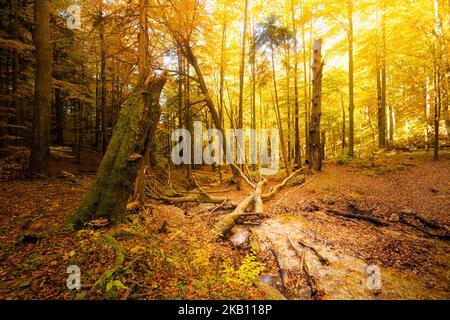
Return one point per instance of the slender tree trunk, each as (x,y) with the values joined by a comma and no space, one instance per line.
(192,59)
(446,104)
(101,29)
(316,111)
(180,91)
(253,69)
(59,108)
(305,84)
(344,121)
(97,109)
(351,106)
(297,149)
(222,70)
(242,69)
(381,114)
(437,107)
(288,100)
(42,108)
(384,82)
(277,109)
(188,117)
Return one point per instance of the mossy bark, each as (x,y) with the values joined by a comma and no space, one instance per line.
(119,168)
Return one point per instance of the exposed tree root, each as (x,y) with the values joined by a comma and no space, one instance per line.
(119,259)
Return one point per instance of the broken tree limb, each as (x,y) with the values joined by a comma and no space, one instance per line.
(311,281)
(283,272)
(274,190)
(246,179)
(316,251)
(303,266)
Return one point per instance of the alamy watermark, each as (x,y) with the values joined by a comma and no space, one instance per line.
(262,146)
(374,277)
(73,281)
(74,17)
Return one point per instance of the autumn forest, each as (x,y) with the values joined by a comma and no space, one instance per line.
(224,149)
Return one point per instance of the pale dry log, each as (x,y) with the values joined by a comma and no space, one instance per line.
(274,190)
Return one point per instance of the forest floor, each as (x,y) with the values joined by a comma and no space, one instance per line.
(171,253)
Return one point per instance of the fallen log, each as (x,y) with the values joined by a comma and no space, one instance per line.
(423,220)
(224,226)
(198,198)
(429,234)
(356,216)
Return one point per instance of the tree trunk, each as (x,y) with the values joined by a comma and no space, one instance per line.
(242,69)
(305,84)
(297,150)
(253,69)
(288,100)
(101,29)
(437,108)
(42,107)
(344,120)
(381,89)
(192,59)
(143,64)
(316,111)
(188,118)
(59,108)
(277,110)
(445,108)
(351,106)
(119,168)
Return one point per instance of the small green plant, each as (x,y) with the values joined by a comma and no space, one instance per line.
(247,273)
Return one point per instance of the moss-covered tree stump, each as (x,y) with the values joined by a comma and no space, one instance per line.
(107,198)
